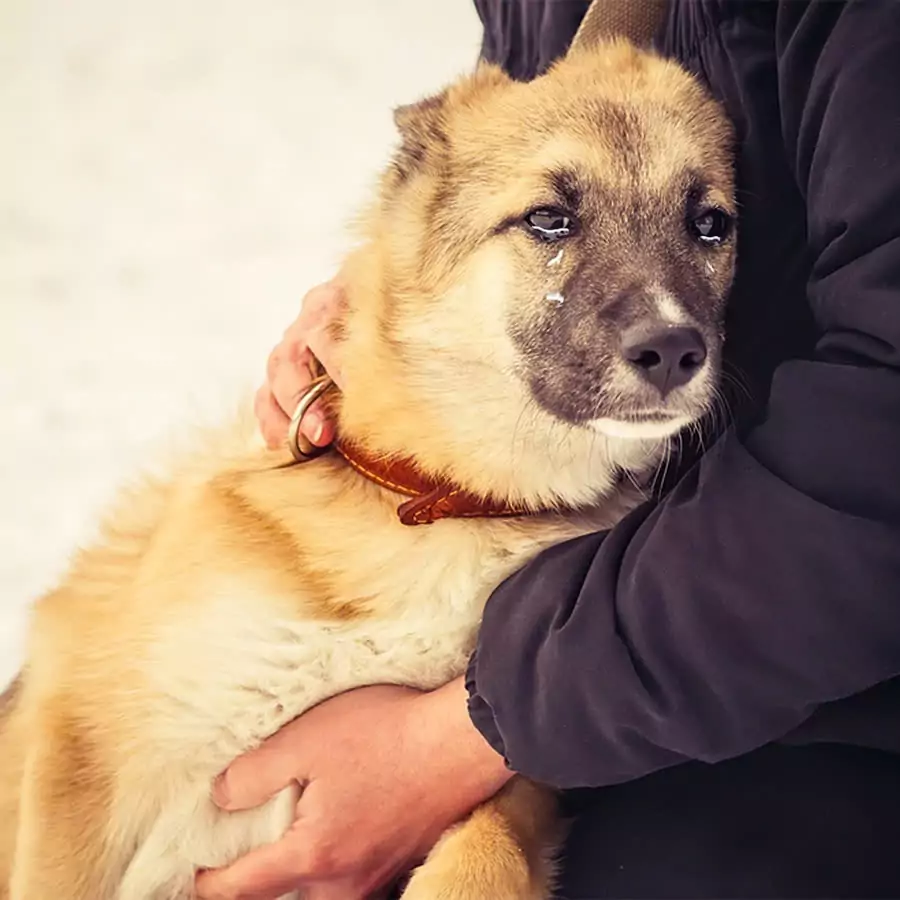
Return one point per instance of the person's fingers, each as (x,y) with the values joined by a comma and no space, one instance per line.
(323,344)
(289,377)
(289,373)
(273,423)
(317,326)
(269,872)
(263,874)
(316,426)
(288,385)
(259,774)
(339,890)
(320,306)
(289,370)
(280,868)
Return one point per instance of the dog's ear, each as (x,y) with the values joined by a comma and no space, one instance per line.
(416,120)
(421,125)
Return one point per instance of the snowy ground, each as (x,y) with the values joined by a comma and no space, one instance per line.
(173,176)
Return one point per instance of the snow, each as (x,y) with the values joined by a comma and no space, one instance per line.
(173,177)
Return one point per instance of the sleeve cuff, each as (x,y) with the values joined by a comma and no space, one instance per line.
(480,711)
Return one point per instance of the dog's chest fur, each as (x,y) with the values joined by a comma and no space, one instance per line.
(371,601)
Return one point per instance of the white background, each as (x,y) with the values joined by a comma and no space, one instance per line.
(174,174)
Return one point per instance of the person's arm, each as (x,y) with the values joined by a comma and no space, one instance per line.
(768,583)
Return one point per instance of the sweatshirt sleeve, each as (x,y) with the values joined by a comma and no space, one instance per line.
(525,36)
(767,583)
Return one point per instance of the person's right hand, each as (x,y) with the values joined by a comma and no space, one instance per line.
(288,372)
(385,771)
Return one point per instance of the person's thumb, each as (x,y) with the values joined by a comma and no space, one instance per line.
(258,775)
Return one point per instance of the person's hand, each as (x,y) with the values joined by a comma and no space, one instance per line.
(288,373)
(386,770)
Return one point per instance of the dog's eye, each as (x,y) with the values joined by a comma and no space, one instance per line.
(711,227)
(550,224)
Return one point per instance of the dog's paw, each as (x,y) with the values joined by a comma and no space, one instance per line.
(470,883)
(456,870)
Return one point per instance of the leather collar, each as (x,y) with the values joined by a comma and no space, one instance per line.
(430,499)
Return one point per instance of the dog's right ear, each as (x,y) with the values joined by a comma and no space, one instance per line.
(421,125)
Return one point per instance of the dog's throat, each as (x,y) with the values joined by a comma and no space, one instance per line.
(430,499)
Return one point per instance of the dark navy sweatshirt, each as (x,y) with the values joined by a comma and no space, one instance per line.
(758,599)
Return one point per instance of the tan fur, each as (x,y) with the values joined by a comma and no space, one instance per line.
(224,600)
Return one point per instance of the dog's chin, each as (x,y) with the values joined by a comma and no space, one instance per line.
(651,428)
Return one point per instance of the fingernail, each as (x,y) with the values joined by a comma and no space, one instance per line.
(220,793)
(315,428)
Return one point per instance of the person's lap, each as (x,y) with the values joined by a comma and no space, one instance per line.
(816,821)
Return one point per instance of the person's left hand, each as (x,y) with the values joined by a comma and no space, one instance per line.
(386,770)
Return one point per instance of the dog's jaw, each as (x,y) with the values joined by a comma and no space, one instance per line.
(543,463)
(643,431)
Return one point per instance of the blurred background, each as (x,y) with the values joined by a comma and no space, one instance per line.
(173,177)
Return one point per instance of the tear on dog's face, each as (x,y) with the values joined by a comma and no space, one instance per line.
(561,248)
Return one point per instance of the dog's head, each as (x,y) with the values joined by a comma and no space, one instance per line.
(546,270)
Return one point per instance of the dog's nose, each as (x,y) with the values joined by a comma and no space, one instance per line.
(667,357)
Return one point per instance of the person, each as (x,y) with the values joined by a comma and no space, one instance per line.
(715,681)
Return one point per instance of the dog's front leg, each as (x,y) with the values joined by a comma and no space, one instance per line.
(503,851)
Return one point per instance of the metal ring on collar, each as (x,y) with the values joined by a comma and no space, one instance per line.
(301,449)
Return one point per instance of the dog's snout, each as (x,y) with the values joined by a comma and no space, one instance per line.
(666,356)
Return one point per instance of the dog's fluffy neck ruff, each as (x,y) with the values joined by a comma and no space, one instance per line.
(400,403)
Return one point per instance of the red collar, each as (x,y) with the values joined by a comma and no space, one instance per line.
(430,499)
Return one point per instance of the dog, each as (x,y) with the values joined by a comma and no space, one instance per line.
(535,308)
